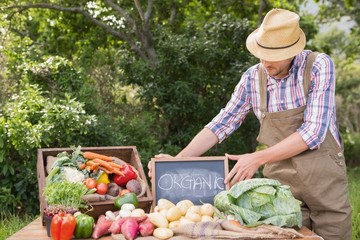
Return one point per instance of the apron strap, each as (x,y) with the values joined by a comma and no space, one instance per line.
(263,89)
(263,81)
(307,75)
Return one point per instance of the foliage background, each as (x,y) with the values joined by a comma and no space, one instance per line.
(143,73)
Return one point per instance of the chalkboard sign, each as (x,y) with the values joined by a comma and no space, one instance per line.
(197,179)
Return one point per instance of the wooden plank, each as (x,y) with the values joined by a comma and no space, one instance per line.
(35,230)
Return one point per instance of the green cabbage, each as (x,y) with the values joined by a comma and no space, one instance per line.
(260,201)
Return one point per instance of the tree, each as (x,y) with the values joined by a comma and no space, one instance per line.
(108,15)
(345,50)
(334,10)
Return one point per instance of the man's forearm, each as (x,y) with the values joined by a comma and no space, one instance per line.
(287,148)
(201,143)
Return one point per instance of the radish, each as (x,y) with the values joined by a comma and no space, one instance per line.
(146,228)
(130,228)
(115,227)
(102,227)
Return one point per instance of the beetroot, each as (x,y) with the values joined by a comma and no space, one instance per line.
(130,228)
(101,227)
(146,228)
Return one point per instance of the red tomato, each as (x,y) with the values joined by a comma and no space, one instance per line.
(90,183)
(102,188)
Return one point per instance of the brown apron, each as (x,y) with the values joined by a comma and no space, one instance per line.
(316,177)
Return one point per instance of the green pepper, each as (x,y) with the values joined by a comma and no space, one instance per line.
(84,226)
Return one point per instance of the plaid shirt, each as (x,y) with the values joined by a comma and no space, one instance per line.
(285,94)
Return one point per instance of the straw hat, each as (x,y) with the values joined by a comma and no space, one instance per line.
(279,37)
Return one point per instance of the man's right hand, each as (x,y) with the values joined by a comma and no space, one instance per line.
(159,156)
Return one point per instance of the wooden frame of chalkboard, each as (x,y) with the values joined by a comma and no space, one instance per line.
(197,179)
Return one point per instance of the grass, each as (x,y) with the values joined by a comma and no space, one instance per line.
(354,189)
(10,224)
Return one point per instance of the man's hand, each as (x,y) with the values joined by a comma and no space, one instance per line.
(159,156)
(248,164)
(245,168)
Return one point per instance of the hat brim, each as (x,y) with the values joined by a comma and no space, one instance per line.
(274,55)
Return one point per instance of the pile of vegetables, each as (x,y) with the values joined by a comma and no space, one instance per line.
(78,178)
(168,216)
(129,222)
(260,201)
(65,226)
(105,177)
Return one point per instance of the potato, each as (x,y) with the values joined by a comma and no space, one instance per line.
(173,214)
(156,209)
(128,206)
(174,224)
(183,221)
(164,204)
(158,220)
(206,218)
(163,233)
(163,212)
(207,210)
(184,205)
(195,209)
(138,212)
(124,213)
(193,216)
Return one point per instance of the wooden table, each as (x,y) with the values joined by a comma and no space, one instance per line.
(35,230)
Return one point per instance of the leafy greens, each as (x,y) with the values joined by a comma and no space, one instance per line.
(260,201)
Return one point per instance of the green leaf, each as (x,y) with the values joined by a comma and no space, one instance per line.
(244,186)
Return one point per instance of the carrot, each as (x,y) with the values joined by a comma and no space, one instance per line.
(116,165)
(92,155)
(111,171)
(91,168)
(105,170)
(92,165)
(235,222)
(102,163)
(107,166)
(118,172)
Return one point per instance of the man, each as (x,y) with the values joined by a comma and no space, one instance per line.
(298,124)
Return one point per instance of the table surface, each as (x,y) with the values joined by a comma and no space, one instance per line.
(35,230)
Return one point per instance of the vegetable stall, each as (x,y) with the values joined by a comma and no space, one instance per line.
(102,193)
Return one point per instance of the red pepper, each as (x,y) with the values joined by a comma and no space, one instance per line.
(62,226)
(129,174)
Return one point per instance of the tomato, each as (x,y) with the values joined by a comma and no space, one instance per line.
(90,183)
(102,188)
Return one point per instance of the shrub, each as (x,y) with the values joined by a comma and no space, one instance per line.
(30,121)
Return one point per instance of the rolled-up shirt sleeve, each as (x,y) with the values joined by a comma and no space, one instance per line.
(321,103)
(231,117)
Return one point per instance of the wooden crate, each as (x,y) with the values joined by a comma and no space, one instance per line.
(126,153)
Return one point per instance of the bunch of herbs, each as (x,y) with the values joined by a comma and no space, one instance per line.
(67,194)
